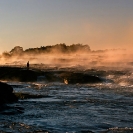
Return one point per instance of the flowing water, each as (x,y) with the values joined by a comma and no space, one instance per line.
(73,108)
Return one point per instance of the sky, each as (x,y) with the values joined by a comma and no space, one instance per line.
(102,24)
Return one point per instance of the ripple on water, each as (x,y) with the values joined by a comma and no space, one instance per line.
(71,108)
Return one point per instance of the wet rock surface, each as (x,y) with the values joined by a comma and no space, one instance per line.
(28,96)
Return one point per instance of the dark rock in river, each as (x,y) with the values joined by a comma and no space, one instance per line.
(72,77)
(82,78)
(6,94)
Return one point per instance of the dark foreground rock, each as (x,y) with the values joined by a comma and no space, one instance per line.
(6,94)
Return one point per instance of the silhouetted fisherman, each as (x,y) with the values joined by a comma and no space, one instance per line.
(28,65)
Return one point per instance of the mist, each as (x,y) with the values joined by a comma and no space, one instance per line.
(62,56)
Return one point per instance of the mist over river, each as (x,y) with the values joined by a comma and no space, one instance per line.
(105,107)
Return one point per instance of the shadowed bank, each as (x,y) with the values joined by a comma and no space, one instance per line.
(24,75)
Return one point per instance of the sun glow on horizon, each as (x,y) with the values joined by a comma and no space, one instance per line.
(101,25)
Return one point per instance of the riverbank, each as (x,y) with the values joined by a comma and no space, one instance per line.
(12,73)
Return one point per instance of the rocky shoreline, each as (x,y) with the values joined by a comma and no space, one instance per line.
(53,75)
(32,75)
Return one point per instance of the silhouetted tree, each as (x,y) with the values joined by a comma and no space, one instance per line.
(16,50)
(6,54)
(58,48)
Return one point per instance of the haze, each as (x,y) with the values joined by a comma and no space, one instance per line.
(73,56)
(102,24)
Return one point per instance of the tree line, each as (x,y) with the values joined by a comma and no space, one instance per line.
(58,48)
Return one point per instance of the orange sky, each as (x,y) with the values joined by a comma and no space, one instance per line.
(100,24)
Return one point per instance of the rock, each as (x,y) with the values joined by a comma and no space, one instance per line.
(32,75)
(73,78)
(19,74)
(27,75)
(21,95)
(6,94)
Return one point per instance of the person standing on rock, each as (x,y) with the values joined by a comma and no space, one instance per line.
(28,65)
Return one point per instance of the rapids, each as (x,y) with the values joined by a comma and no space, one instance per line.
(73,108)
